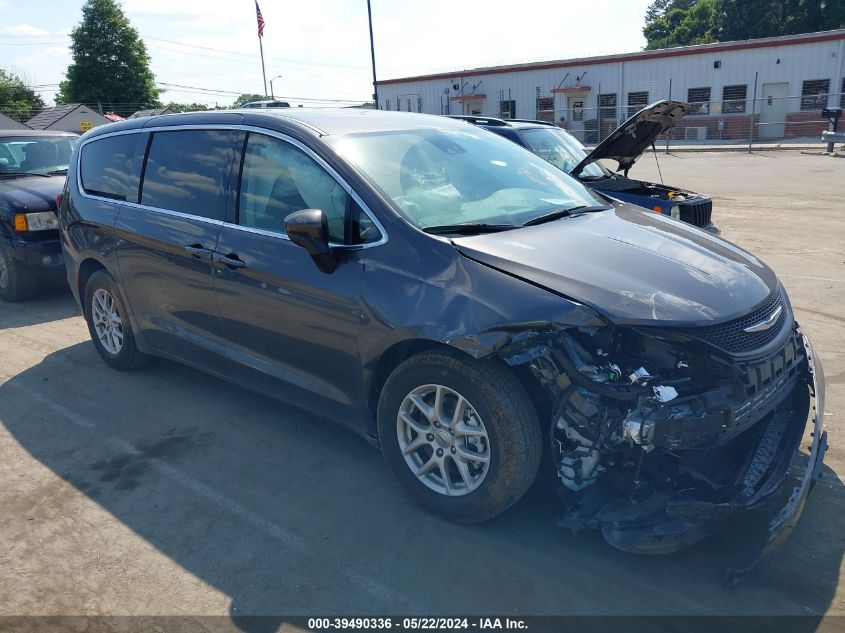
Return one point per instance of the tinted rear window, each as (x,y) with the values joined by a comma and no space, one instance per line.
(106,166)
(188,171)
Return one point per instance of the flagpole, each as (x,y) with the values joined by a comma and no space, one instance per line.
(373,56)
(263,74)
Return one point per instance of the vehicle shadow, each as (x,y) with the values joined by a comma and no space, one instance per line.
(52,303)
(289,514)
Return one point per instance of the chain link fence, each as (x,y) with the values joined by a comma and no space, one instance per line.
(771,118)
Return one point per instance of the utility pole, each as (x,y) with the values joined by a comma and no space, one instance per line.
(373,56)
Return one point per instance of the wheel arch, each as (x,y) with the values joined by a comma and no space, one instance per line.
(87,268)
(400,351)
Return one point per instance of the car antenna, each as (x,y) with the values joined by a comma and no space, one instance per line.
(659,173)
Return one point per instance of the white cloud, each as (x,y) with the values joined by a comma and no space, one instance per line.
(22,29)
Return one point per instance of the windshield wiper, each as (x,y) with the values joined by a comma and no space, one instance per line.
(57,172)
(564,213)
(23,173)
(468,228)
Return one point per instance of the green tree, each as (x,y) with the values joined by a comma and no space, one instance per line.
(243,99)
(17,100)
(748,19)
(683,22)
(110,65)
(679,23)
(186,107)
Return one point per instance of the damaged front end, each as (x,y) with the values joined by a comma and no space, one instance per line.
(658,435)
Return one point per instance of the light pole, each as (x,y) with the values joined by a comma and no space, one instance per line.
(373,56)
(272,96)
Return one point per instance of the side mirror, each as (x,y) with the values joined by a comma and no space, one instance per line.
(309,229)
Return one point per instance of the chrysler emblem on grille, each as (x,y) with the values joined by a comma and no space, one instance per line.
(766,323)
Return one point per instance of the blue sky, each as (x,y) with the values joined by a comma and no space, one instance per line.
(320,47)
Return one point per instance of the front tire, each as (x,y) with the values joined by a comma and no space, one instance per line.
(460,435)
(16,282)
(108,323)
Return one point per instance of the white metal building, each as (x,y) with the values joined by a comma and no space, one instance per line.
(766,88)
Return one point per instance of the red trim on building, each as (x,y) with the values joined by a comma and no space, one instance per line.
(572,89)
(467,97)
(702,49)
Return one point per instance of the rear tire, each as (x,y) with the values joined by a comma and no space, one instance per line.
(108,323)
(16,282)
(468,428)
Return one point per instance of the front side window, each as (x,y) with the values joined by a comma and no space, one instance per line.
(460,175)
(278,178)
(35,154)
(188,171)
(560,149)
(106,166)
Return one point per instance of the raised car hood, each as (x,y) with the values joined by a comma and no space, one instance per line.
(627,142)
(632,266)
(28,194)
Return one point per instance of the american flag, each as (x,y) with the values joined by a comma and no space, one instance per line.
(260,20)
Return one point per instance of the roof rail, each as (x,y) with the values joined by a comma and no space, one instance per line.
(533,121)
(484,120)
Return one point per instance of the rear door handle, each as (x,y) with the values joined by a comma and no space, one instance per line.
(199,251)
(231,260)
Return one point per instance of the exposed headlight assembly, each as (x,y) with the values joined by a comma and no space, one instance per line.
(44,221)
(675,212)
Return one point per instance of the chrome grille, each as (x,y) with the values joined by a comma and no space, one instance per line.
(731,337)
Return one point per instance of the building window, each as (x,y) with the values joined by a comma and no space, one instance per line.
(545,109)
(699,99)
(814,94)
(507,109)
(636,102)
(733,99)
(607,106)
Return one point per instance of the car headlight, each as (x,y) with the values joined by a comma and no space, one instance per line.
(44,221)
(675,212)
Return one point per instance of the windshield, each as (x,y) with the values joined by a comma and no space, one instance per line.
(35,154)
(560,149)
(441,177)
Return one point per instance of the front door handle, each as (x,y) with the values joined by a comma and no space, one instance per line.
(199,251)
(231,260)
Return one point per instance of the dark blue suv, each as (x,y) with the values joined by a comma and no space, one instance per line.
(625,145)
(33,168)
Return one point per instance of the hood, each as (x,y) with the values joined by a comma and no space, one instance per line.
(29,194)
(627,142)
(632,266)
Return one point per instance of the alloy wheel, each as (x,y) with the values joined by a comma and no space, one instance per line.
(107,321)
(443,440)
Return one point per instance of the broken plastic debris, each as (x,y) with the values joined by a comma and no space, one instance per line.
(664,393)
(639,374)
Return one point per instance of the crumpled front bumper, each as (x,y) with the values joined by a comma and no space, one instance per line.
(665,524)
(785,521)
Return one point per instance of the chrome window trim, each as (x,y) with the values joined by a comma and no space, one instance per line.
(233,127)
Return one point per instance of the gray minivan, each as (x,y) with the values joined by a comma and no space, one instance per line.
(459,301)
